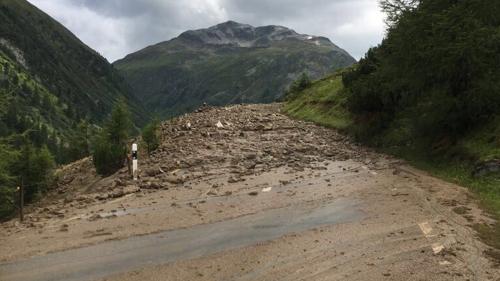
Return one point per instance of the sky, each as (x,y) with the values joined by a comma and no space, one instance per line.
(116,28)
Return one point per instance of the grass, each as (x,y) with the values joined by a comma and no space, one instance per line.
(324,103)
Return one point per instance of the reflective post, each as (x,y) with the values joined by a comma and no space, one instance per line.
(134,161)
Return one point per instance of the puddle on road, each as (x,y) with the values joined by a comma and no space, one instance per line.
(107,258)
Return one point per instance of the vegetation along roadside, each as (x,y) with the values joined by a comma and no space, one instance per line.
(429,93)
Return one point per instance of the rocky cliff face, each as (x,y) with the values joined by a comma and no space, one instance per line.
(225,64)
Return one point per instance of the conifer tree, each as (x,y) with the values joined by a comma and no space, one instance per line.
(151,136)
(110,145)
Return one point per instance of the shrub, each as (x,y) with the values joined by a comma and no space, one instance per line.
(302,83)
(108,157)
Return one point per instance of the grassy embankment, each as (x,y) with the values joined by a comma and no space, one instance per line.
(325,103)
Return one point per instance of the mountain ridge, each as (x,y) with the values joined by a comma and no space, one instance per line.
(234,33)
(225,64)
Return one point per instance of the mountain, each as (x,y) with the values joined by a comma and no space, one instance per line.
(227,63)
(50,80)
(81,79)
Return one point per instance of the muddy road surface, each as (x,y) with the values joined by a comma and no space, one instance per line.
(246,193)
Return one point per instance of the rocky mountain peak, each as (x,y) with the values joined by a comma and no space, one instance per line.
(245,35)
(231,25)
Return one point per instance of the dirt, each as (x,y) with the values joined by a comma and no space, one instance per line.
(224,163)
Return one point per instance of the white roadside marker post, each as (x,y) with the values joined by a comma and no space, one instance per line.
(134,161)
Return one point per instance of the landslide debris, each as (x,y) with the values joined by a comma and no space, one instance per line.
(234,141)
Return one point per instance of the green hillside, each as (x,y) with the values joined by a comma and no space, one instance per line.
(76,74)
(54,94)
(324,102)
(226,64)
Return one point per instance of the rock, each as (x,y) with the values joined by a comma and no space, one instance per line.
(119,182)
(81,198)
(253,193)
(117,193)
(67,179)
(102,197)
(219,125)
(250,166)
(174,179)
(251,156)
(57,213)
(85,199)
(234,179)
(154,185)
(64,228)
(486,167)
(131,189)
(152,172)
(95,217)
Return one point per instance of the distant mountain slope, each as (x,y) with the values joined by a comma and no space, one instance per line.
(227,63)
(84,82)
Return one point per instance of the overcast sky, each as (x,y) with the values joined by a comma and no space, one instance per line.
(116,28)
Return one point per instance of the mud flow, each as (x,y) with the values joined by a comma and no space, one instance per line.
(246,193)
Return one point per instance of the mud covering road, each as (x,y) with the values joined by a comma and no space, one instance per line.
(245,193)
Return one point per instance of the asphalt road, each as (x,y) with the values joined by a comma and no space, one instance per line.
(91,263)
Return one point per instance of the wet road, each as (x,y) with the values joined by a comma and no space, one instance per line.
(113,257)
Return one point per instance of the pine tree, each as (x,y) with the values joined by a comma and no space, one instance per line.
(151,135)
(33,169)
(7,181)
(110,145)
(79,142)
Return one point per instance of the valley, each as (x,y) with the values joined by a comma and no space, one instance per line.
(265,152)
(261,197)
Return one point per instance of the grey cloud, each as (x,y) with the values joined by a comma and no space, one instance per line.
(118,27)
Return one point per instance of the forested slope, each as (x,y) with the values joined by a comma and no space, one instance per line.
(54,93)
